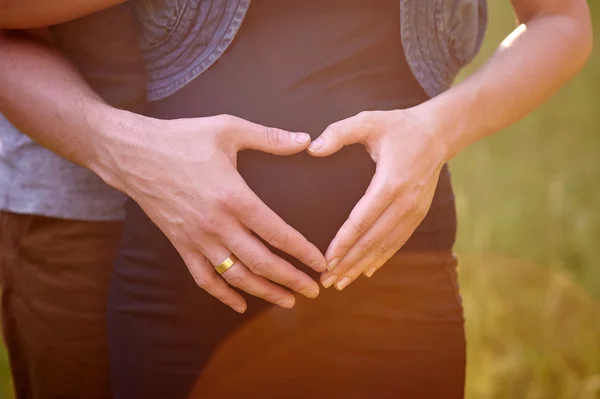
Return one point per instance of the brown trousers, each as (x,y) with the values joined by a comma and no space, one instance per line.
(54,275)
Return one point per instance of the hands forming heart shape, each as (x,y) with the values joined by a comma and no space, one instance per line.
(209,213)
(409,157)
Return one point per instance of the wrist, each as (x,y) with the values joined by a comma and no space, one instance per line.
(448,119)
(118,133)
(460,117)
(434,130)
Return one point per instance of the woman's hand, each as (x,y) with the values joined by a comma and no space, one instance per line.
(410,146)
(409,154)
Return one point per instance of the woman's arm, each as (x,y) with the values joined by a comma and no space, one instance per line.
(410,146)
(553,42)
(30,14)
(182,172)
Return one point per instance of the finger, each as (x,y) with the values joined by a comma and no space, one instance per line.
(413,211)
(376,200)
(262,220)
(372,269)
(355,129)
(373,241)
(337,275)
(205,276)
(240,277)
(248,135)
(375,259)
(370,266)
(261,261)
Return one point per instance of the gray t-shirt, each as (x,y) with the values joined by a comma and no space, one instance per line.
(34,180)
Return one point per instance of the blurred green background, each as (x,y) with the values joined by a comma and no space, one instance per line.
(529,243)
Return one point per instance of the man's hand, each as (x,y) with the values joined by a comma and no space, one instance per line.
(183,174)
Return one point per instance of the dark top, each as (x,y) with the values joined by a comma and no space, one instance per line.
(300,66)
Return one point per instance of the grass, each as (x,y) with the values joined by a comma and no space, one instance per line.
(529,239)
(533,332)
(5,387)
(529,242)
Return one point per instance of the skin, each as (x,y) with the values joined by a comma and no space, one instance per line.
(410,146)
(174,169)
(31,14)
(181,172)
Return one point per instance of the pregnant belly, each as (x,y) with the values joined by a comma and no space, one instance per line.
(293,86)
(314,195)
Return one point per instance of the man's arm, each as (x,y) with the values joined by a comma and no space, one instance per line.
(52,101)
(181,172)
(30,14)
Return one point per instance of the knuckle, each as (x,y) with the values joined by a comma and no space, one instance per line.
(368,245)
(335,129)
(229,200)
(275,296)
(209,223)
(417,206)
(365,122)
(364,117)
(260,267)
(203,281)
(363,114)
(342,268)
(384,249)
(393,188)
(343,247)
(353,273)
(421,210)
(274,136)
(222,123)
(294,284)
(358,226)
(224,119)
(278,239)
(412,202)
(235,279)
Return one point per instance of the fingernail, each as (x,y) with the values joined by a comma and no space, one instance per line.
(316,145)
(371,271)
(310,292)
(343,283)
(333,264)
(286,303)
(300,138)
(239,308)
(318,266)
(329,281)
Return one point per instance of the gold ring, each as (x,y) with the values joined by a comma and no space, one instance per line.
(226,264)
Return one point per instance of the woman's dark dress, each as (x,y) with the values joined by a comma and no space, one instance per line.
(297,65)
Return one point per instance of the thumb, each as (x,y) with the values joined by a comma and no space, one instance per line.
(339,134)
(270,139)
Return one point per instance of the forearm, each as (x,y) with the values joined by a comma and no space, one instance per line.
(28,14)
(44,95)
(529,66)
